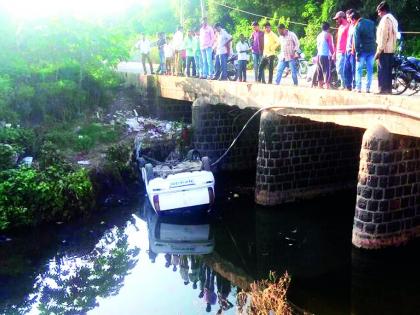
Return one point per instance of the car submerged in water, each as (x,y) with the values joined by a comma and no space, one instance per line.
(177,185)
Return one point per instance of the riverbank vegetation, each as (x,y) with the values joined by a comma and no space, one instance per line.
(57,76)
(268,296)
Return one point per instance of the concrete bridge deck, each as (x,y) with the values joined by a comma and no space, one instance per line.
(398,114)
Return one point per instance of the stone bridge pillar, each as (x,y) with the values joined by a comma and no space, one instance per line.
(216,126)
(299,158)
(388,190)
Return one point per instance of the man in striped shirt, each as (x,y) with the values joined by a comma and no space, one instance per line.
(288,53)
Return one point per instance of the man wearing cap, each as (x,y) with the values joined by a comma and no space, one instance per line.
(257,45)
(386,38)
(271,43)
(340,48)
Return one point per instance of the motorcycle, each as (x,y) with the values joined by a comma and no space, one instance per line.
(302,67)
(232,67)
(405,74)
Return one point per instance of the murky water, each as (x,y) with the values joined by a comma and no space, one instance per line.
(128,261)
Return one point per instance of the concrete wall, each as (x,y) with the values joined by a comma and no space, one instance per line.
(216,126)
(299,158)
(388,190)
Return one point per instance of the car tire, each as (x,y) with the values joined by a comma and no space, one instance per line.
(141,162)
(149,172)
(193,155)
(206,164)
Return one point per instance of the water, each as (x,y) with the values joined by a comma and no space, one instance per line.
(110,265)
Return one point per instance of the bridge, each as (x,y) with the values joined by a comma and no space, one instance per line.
(308,142)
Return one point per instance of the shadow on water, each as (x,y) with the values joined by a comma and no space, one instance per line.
(128,260)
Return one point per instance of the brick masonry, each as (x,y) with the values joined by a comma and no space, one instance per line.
(168,109)
(388,190)
(216,126)
(299,158)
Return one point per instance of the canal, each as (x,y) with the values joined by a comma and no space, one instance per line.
(107,265)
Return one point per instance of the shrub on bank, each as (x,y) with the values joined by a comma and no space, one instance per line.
(29,196)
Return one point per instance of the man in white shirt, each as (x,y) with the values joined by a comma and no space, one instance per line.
(242,49)
(222,52)
(178,46)
(143,45)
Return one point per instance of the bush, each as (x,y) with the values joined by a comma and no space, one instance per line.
(29,196)
(8,156)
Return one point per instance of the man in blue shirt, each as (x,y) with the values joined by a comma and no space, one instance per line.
(365,48)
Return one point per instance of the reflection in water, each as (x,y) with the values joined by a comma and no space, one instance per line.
(127,261)
(183,240)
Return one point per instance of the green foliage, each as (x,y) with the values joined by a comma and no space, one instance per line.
(57,69)
(29,196)
(84,138)
(8,156)
(20,138)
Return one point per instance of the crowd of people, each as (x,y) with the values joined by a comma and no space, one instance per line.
(212,287)
(203,53)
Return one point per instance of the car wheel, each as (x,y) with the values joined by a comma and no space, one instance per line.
(141,162)
(193,155)
(206,164)
(149,172)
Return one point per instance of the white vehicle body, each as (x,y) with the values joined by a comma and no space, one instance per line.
(171,237)
(180,190)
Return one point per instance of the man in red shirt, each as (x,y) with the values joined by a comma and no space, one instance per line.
(340,47)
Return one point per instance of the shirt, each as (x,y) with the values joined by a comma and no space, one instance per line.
(143,46)
(350,35)
(196,45)
(223,39)
(257,39)
(178,40)
(289,45)
(206,37)
(271,42)
(189,46)
(364,37)
(342,34)
(324,44)
(386,34)
(242,46)
(168,51)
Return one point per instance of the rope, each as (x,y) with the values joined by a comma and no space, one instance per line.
(271,18)
(337,108)
(254,14)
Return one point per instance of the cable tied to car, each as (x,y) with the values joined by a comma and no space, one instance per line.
(333,108)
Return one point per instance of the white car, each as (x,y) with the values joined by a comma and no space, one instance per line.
(179,235)
(186,185)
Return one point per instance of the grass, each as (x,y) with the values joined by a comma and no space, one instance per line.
(266,297)
(83,138)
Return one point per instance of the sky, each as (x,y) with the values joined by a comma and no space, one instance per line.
(29,9)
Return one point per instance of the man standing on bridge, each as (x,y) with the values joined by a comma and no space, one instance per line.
(206,45)
(364,47)
(222,51)
(257,45)
(271,42)
(178,45)
(288,53)
(143,45)
(340,48)
(386,38)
